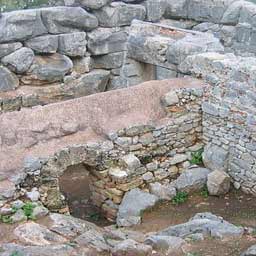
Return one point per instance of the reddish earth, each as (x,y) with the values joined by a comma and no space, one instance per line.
(237,208)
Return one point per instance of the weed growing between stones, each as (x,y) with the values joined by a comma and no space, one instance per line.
(180,198)
(204,192)
(197,157)
(16,253)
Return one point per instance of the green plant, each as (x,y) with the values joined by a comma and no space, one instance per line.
(197,157)
(16,253)
(180,198)
(204,192)
(6,219)
(28,210)
(193,254)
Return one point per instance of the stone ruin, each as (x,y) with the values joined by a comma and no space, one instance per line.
(76,91)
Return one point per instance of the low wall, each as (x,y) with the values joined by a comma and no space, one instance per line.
(126,138)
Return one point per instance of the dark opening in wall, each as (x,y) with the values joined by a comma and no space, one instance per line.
(76,184)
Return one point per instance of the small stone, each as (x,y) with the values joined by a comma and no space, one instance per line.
(20,60)
(18,216)
(170,99)
(218,183)
(117,174)
(148,177)
(162,191)
(167,244)
(39,212)
(130,247)
(131,162)
(18,204)
(34,195)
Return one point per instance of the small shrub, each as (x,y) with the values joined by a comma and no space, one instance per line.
(16,253)
(6,219)
(204,192)
(180,198)
(197,157)
(28,210)
(193,254)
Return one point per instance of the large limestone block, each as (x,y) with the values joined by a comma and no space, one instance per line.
(251,251)
(191,180)
(20,60)
(218,183)
(6,49)
(120,14)
(8,80)
(106,40)
(155,9)
(21,25)
(215,157)
(130,247)
(69,226)
(90,83)
(134,203)
(109,61)
(34,234)
(43,44)
(73,44)
(176,9)
(207,10)
(60,20)
(91,4)
(48,69)
(205,223)
(192,44)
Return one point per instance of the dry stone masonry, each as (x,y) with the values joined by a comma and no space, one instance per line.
(136,140)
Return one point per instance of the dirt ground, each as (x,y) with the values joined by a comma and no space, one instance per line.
(237,208)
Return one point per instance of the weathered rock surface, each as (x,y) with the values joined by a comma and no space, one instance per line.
(92,4)
(34,234)
(191,180)
(106,40)
(90,83)
(69,226)
(109,61)
(218,183)
(215,158)
(8,80)
(205,223)
(134,203)
(20,60)
(48,69)
(167,244)
(73,44)
(6,49)
(120,14)
(250,251)
(45,250)
(43,44)
(93,239)
(21,25)
(130,247)
(164,192)
(60,20)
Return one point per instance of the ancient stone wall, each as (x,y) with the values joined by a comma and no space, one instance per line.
(59,53)
(128,138)
(229,111)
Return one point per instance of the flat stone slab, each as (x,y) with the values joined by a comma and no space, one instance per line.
(134,203)
(205,223)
